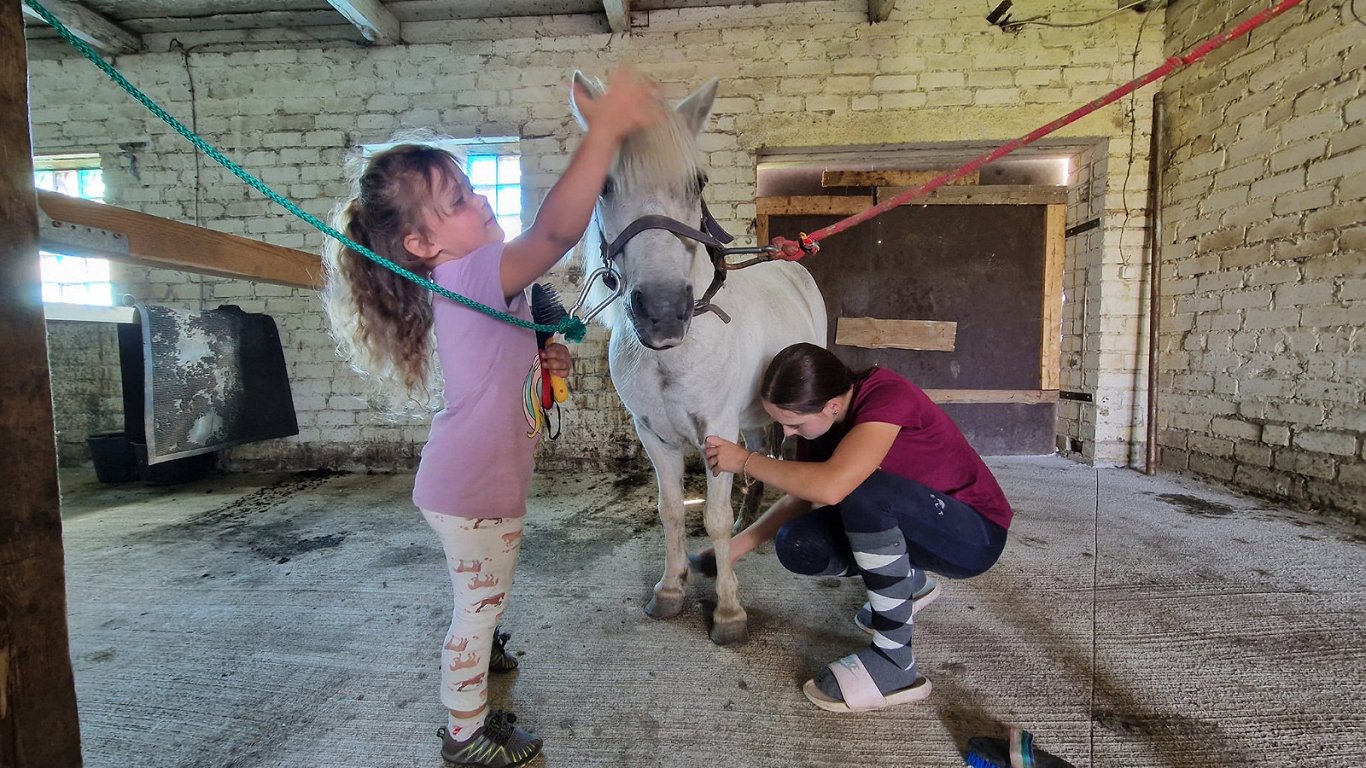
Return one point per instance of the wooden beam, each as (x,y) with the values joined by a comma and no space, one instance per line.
(1055,244)
(90,27)
(157,242)
(796,205)
(879,10)
(891,178)
(618,15)
(992,395)
(39,727)
(872,333)
(375,22)
(990,194)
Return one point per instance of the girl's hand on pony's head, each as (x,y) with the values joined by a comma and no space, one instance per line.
(631,102)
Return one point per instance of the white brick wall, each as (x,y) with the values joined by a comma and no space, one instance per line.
(812,75)
(1263,256)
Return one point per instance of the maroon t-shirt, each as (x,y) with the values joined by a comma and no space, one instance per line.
(929,449)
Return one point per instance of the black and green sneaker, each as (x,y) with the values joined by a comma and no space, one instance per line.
(499,658)
(498,744)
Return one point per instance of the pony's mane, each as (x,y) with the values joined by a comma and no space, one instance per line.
(663,156)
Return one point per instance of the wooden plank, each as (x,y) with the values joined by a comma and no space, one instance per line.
(1055,243)
(618,15)
(989,194)
(91,28)
(892,178)
(157,242)
(375,22)
(39,727)
(797,205)
(874,333)
(879,10)
(992,395)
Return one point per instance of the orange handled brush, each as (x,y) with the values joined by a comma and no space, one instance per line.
(547,309)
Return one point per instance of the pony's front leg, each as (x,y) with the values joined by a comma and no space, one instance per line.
(729,622)
(667,599)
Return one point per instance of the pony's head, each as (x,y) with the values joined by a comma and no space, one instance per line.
(658,172)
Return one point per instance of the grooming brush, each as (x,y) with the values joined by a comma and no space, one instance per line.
(1017,752)
(547,309)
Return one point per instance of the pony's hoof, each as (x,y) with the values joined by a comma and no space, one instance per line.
(664,606)
(725,633)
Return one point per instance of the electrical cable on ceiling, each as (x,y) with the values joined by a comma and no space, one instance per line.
(999,18)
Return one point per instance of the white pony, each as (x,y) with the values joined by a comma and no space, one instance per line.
(683,377)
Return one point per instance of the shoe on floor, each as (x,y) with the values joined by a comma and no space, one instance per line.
(927,594)
(498,744)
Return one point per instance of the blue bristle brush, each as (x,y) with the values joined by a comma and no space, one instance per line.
(1017,752)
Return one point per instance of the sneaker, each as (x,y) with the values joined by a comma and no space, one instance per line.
(499,744)
(927,594)
(499,658)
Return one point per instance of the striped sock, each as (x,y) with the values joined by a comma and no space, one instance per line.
(891,583)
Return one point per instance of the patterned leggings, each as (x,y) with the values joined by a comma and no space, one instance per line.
(480,556)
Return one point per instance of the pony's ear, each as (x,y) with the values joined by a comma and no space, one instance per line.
(582,85)
(696,108)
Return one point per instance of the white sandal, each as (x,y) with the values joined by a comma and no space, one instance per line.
(860,692)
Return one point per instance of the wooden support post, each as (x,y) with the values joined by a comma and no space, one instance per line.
(1055,244)
(38,723)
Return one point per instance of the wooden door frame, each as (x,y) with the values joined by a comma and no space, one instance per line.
(1054,200)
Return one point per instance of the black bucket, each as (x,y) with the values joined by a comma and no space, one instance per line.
(112,454)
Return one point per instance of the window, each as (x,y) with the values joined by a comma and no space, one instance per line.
(494,167)
(73,279)
(499,178)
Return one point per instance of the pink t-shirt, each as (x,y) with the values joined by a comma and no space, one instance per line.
(929,449)
(478,458)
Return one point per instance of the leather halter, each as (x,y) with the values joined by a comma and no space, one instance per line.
(711,235)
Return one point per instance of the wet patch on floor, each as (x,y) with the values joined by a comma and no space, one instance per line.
(1196,506)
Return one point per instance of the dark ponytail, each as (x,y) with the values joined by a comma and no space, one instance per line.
(804,377)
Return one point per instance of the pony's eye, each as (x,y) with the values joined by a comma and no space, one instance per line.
(701,180)
(608,187)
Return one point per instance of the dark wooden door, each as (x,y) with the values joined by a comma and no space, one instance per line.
(982,268)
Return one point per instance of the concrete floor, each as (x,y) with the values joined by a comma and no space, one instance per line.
(294,620)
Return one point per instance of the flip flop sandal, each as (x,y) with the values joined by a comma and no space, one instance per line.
(1018,752)
(928,594)
(859,690)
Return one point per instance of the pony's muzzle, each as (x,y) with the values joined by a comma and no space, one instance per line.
(661,314)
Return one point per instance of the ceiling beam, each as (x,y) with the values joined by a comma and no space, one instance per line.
(879,10)
(90,27)
(374,21)
(618,15)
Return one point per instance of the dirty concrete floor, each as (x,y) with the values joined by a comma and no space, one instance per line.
(294,620)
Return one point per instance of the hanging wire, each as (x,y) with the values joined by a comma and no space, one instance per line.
(1011,25)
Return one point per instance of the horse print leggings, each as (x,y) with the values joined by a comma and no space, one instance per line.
(943,535)
(480,556)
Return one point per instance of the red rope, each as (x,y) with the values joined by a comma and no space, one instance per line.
(787,249)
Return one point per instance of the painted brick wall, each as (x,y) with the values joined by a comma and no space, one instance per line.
(813,75)
(1264,266)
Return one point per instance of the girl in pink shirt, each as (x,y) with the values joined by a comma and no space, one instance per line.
(414,205)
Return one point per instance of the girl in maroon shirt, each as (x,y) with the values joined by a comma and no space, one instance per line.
(884,486)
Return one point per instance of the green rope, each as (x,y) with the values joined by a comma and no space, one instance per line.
(570,327)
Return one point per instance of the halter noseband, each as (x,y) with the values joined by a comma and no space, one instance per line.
(712,235)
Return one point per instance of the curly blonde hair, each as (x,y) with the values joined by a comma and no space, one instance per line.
(382,322)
